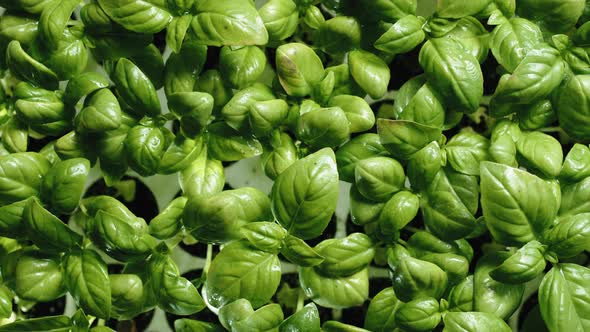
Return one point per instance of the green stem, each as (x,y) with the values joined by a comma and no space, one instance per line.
(300,300)
(208,259)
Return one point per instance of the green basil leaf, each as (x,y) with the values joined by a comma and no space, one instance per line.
(239,271)
(102,113)
(466,150)
(64,183)
(16,26)
(82,85)
(298,252)
(345,257)
(338,35)
(145,147)
(357,110)
(461,296)
(393,10)
(370,72)
(176,31)
(358,148)
(304,196)
(403,36)
(6,302)
(404,138)
(47,231)
(342,292)
(424,165)
(135,88)
(299,69)
(235,112)
(453,73)
(378,178)
(71,145)
(38,278)
(151,63)
(242,67)
(266,236)
(282,155)
(423,243)
(554,16)
(127,295)
(576,165)
(195,104)
(174,293)
(142,16)
(444,210)
(541,152)
(562,297)
(413,277)
(418,315)
(280,18)
(25,68)
(399,211)
(572,108)
(219,218)
(323,127)
(306,319)
(15,135)
(45,324)
(21,176)
(235,23)
(540,114)
(87,279)
(11,216)
(266,318)
(227,144)
(181,153)
(203,177)
(537,75)
(119,239)
(190,325)
(473,321)
(517,205)
(512,40)
(458,9)
(381,313)
(570,236)
(472,35)
(168,222)
(235,311)
(182,69)
(53,22)
(524,265)
(264,116)
(492,296)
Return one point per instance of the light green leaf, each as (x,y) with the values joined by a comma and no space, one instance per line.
(228,23)
(512,40)
(343,292)
(220,217)
(87,279)
(517,205)
(143,16)
(299,69)
(47,231)
(455,74)
(240,271)
(563,298)
(39,278)
(304,196)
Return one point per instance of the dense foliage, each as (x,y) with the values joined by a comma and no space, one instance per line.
(463,135)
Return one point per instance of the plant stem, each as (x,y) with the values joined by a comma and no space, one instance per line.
(209,258)
(300,300)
